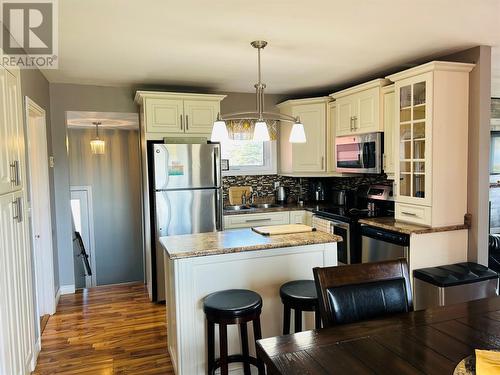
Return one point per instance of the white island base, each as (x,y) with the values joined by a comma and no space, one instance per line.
(190,279)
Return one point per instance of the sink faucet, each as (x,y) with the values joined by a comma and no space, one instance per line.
(252,197)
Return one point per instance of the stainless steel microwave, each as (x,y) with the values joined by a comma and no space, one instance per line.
(359,153)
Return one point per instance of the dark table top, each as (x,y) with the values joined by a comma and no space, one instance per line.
(430,341)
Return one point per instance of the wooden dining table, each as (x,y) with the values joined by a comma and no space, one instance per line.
(429,341)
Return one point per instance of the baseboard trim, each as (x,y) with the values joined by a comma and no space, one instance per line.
(34,357)
(67,289)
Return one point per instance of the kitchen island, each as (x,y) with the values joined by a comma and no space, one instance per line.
(199,264)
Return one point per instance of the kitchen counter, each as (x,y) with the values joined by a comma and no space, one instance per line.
(286,207)
(237,240)
(390,223)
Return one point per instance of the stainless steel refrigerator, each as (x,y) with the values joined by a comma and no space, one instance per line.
(186,196)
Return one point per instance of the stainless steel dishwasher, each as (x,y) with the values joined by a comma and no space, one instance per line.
(379,244)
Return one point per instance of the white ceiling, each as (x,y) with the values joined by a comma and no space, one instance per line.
(107,120)
(314,44)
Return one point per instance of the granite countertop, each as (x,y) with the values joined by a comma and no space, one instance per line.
(237,240)
(390,223)
(285,207)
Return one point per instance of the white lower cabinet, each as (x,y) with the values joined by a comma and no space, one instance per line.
(267,218)
(301,217)
(254,220)
(16,309)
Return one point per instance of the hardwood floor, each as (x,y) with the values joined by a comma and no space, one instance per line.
(106,330)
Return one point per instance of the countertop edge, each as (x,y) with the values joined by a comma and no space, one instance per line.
(409,231)
(239,249)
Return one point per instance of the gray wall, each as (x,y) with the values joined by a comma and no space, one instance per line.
(115,179)
(70,97)
(479,148)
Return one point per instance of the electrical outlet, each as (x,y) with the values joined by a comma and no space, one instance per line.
(51,162)
(276,184)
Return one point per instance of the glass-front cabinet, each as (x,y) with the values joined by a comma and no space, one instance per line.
(413,137)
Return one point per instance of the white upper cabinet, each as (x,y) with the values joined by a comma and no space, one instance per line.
(11,133)
(178,114)
(310,158)
(200,115)
(431,134)
(164,116)
(359,108)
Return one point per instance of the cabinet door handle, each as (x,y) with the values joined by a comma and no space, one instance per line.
(408,213)
(187,122)
(17,209)
(322,162)
(355,121)
(255,220)
(182,125)
(14,173)
(352,118)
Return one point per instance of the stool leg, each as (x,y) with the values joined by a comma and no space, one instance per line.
(211,348)
(244,348)
(298,320)
(257,334)
(286,319)
(317,318)
(223,349)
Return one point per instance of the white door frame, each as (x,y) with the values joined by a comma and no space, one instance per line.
(88,190)
(44,261)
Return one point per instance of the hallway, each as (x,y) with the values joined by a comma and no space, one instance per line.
(104,331)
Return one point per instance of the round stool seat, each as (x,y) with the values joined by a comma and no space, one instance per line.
(232,303)
(299,291)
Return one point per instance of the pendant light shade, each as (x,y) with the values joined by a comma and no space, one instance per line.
(219,131)
(261,133)
(97,145)
(297,135)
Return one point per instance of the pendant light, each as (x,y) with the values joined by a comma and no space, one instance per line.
(97,145)
(219,131)
(260,116)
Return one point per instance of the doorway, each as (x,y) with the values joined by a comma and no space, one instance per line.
(39,194)
(83,219)
(106,196)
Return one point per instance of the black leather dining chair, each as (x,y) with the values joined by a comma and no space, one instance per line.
(357,292)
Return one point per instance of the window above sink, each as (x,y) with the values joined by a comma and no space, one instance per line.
(247,157)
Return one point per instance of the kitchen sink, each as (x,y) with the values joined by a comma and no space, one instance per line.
(236,208)
(265,205)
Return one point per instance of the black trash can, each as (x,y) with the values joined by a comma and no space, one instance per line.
(454,283)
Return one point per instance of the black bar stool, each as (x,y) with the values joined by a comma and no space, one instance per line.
(234,306)
(299,295)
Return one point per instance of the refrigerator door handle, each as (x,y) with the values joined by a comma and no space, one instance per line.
(217,169)
(219,218)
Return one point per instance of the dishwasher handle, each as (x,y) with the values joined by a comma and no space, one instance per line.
(400,239)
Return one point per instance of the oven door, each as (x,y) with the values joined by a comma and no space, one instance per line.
(340,229)
(359,154)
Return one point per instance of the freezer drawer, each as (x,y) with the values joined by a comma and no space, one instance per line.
(188,211)
(428,295)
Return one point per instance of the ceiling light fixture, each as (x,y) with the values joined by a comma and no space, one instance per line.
(97,145)
(260,116)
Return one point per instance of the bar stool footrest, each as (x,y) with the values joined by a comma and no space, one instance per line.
(235,358)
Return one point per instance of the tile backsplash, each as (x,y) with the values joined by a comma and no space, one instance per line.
(264,185)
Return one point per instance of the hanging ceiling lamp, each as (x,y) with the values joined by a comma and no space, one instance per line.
(97,145)
(260,117)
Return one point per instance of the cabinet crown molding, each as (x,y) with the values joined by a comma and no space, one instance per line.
(321,99)
(379,82)
(431,67)
(141,95)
